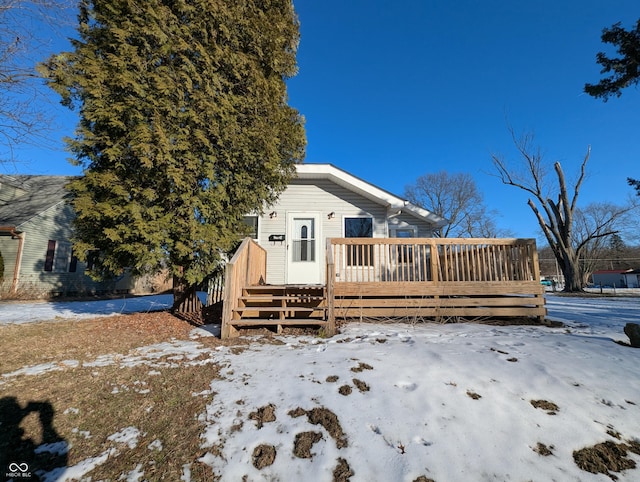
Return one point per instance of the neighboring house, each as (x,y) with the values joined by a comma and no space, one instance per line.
(615,278)
(632,278)
(35,240)
(323,202)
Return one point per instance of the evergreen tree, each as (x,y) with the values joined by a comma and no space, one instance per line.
(624,70)
(184,128)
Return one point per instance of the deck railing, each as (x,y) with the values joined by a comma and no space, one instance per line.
(439,278)
(247,267)
(433,260)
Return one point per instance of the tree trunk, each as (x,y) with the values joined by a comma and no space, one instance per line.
(185,298)
(573,279)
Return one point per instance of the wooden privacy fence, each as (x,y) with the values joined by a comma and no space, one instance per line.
(435,277)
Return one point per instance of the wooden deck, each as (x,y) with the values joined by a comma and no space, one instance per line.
(370,278)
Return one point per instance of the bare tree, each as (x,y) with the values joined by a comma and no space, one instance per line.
(23,117)
(456,198)
(596,226)
(570,232)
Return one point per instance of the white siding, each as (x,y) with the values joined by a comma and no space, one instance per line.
(425,230)
(323,197)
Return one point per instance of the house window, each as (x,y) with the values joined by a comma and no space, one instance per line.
(404,252)
(92,258)
(362,227)
(252,223)
(59,258)
(73,264)
(62,258)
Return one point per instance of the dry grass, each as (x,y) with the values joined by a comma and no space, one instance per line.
(35,343)
(83,406)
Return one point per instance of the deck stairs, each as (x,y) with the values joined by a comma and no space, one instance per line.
(281,305)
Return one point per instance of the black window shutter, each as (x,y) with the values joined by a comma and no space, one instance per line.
(51,251)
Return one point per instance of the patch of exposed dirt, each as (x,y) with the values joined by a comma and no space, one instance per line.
(550,407)
(517,321)
(422,478)
(361,367)
(263,456)
(360,385)
(304,442)
(543,450)
(342,472)
(264,415)
(499,351)
(332,378)
(345,390)
(325,417)
(606,457)
(473,395)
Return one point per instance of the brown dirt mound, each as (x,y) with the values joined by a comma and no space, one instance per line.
(325,417)
(604,458)
(303,444)
(263,415)
(543,450)
(361,367)
(342,472)
(360,385)
(263,456)
(550,407)
(344,390)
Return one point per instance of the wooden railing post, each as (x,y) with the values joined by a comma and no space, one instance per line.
(330,283)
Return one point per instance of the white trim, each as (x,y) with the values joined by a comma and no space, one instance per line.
(369,191)
(319,263)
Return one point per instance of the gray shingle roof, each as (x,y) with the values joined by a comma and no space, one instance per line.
(42,192)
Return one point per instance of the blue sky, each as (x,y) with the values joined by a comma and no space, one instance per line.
(393,89)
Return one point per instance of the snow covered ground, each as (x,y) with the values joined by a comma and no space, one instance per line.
(26,312)
(393,402)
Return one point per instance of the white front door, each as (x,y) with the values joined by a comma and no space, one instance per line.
(304,253)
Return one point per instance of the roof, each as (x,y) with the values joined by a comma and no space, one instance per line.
(368,190)
(612,271)
(35,194)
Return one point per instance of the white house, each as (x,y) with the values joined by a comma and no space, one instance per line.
(323,202)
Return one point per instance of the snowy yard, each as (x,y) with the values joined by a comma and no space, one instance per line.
(389,402)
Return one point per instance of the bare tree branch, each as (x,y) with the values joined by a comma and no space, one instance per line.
(23,97)
(568,230)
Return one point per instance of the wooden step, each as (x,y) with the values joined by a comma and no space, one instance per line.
(273,322)
(266,297)
(278,309)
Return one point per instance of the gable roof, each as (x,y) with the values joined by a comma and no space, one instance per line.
(392,202)
(33,196)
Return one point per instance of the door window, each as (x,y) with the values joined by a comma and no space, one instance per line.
(304,241)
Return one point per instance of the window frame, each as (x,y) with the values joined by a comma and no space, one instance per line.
(358,259)
(255,236)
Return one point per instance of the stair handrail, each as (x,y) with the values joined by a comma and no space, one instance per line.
(247,267)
